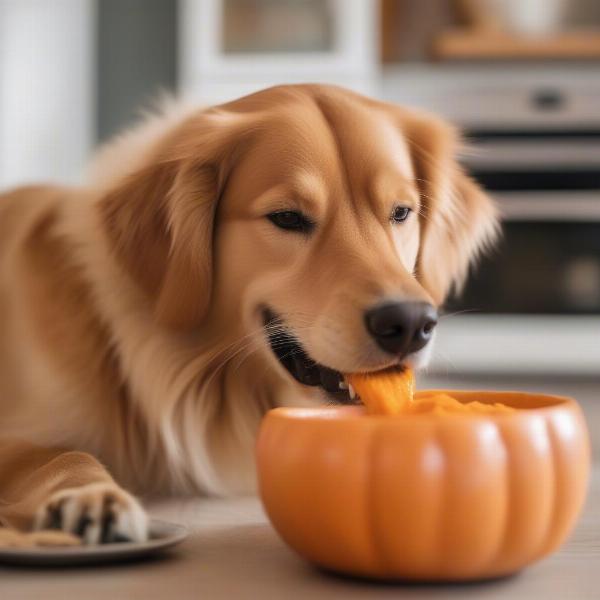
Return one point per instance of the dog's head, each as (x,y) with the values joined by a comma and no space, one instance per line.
(331,224)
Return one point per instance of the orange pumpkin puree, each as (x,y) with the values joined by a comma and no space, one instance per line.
(393,393)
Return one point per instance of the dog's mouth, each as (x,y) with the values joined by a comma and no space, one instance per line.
(294,358)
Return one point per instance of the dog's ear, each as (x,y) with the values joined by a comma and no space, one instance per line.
(458,220)
(159,221)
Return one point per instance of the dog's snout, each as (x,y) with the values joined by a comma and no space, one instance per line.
(401,327)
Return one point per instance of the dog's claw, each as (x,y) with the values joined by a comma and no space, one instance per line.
(54,517)
(82,525)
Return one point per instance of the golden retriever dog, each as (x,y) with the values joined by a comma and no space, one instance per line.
(222,262)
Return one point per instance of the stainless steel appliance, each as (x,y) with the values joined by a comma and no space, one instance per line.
(533,304)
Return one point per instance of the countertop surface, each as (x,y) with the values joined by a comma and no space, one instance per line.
(233,552)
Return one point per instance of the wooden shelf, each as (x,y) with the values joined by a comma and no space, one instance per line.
(478,44)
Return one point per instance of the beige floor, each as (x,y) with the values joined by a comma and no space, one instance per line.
(234,553)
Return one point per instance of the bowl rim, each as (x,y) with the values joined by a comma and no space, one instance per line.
(346,413)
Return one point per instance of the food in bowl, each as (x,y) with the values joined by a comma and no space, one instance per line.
(392,393)
(431,495)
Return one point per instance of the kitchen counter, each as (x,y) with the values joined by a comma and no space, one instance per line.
(233,552)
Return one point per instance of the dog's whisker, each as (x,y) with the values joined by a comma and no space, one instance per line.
(231,355)
(459,312)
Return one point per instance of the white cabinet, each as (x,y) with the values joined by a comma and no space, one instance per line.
(229,48)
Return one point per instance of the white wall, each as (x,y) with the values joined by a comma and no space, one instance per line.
(46,89)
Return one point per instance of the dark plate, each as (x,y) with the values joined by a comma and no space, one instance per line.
(163,535)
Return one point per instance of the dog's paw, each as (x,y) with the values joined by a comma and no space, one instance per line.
(98,513)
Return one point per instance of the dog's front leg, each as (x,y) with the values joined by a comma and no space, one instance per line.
(44,488)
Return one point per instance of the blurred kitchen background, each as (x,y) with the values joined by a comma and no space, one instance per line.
(521,77)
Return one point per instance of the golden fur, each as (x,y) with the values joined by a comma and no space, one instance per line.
(130,308)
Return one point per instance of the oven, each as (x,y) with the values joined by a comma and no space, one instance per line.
(547,185)
(532,305)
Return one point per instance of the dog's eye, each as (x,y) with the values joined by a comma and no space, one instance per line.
(400,214)
(291,220)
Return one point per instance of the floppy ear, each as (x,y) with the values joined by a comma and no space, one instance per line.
(159,223)
(458,220)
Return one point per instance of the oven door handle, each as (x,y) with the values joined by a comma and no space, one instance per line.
(549,206)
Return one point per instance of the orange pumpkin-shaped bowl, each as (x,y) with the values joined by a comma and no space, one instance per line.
(428,496)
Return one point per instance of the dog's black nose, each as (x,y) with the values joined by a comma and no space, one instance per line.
(401,327)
